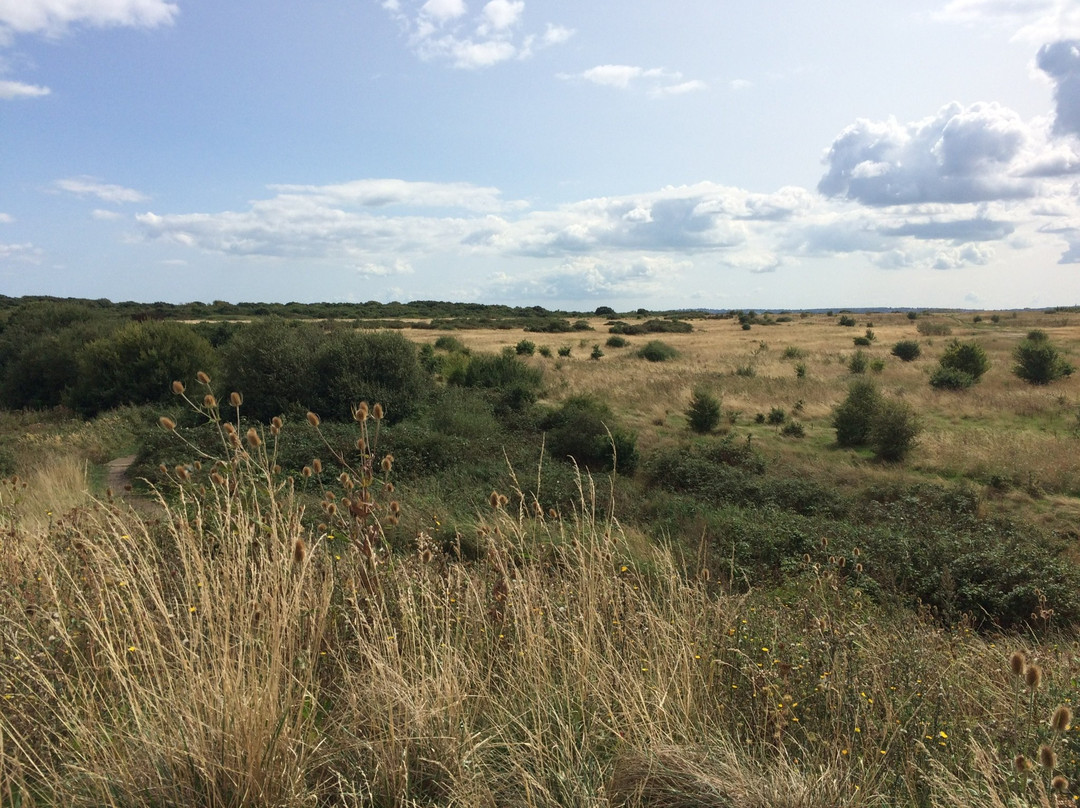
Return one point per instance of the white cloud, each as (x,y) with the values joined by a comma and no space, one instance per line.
(89,186)
(1029,20)
(6,218)
(384,269)
(105,215)
(444,30)
(961,154)
(443,10)
(385,192)
(593,278)
(657,81)
(27,252)
(53,17)
(502,14)
(1060,60)
(17,89)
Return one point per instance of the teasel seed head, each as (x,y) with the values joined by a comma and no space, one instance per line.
(182,472)
(859,568)
(202,377)
(360,414)
(229,428)
(235,399)
(209,401)
(1021,764)
(824,542)
(387,463)
(1047,757)
(167,423)
(377,412)
(316,464)
(395,507)
(856,552)
(217,479)
(178,388)
(1060,784)
(426,556)
(1033,676)
(313,419)
(388,488)
(806,558)
(1061,720)
(299,551)
(493,499)
(1017,663)
(276,421)
(361,445)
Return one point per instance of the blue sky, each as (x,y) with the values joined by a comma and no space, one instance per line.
(655,153)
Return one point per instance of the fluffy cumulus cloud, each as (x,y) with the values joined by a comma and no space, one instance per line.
(1061,62)
(961,154)
(53,17)
(25,253)
(593,278)
(657,81)
(471,37)
(89,186)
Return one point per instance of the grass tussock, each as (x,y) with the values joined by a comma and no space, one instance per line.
(229,654)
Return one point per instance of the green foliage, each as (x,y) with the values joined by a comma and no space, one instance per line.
(862,341)
(597,353)
(746,371)
(1038,361)
(793,352)
(525,348)
(564,350)
(616,341)
(894,430)
(703,414)
(513,384)
(451,344)
(353,366)
(793,429)
(584,428)
(544,351)
(777,415)
(930,328)
(853,418)
(858,362)
(950,379)
(846,320)
(654,326)
(137,364)
(800,370)
(907,350)
(657,351)
(270,362)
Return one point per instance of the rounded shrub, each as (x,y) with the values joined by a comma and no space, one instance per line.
(906,350)
(894,430)
(617,341)
(584,429)
(525,348)
(1039,362)
(657,351)
(853,418)
(703,414)
(965,357)
(270,362)
(951,379)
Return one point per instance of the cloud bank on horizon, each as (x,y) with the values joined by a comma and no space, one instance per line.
(971,203)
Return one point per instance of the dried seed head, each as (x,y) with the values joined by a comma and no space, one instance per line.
(1017,663)
(1021,764)
(182,472)
(387,463)
(217,479)
(705,574)
(178,388)
(395,507)
(858,568)
(503,500)
(331,508)
(235,399)
(360,414)
(552,513)
(426,556)
(1061,720)
(299,551)
(1047,757)
(856,552)
(209,401)
(388,488)
(168,423)
(198,465)
(824,542)
(494,499)
(316,464)
(841,562)
(229,429)
(313,419)
(806,558)
(202,377)
(377,412)
(1060,784)
(1033,676)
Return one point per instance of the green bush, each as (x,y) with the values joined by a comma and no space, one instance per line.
(513,384)
(137,364)
(564,350)
(776,416)
(584,428)
(544,351)
(525,347)
(703,414)
(800,370)
(270,363)
(597,353)
(858,362)
(854,417)
(894,430)
(929,328)
(657,351)
(951,379)
(617,341)
(353,366)
(793,429)
(793,352)
(862,341)
(907,350)
(1039,362)
(451,344)
(846,320)
(966,357)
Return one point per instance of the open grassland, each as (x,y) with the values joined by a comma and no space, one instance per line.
(752,619)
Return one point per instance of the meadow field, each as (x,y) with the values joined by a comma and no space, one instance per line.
(531,576)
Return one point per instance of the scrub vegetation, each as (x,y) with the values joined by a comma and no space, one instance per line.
(403,555)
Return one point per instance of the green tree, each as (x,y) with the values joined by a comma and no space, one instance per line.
(703,414)
(961,365)
(853,418)
(1038,361)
